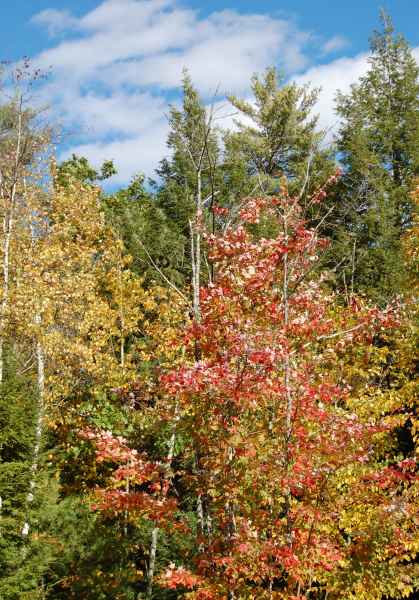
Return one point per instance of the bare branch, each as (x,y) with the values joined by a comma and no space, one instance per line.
(160,272)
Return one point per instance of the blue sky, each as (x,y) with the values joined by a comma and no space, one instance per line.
(352,19)
(117,63)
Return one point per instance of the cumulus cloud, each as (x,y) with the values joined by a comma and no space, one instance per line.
(228,49)
(106,38)
(138,153)
(335,76)
(118,66)
(339,74)
(152,40)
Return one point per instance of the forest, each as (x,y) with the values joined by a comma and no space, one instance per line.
(208,379)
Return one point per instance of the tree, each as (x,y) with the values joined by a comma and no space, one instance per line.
(285,460)
(21,573)
(149,236)
(23,143)
(378,146)
(190,177)
(73,322)
(135,506)
(79,168)
(277,136)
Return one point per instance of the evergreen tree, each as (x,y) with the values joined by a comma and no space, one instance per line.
(23,563)
(378,145)
(154,242)
(192,167)
(277,137)
(79,168)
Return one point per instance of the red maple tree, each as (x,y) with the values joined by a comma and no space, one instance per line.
(278,456)
(266,412)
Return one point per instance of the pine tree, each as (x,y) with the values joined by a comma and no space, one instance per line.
(378,145)
(282,139)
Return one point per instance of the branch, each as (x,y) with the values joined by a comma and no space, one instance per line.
(160,272)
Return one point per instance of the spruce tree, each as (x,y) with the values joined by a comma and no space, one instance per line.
(378,145)
(23,563)
(193,144)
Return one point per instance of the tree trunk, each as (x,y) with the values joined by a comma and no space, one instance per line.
(40,359)
(8,222)
(287,377)
(152,562)
(155,532)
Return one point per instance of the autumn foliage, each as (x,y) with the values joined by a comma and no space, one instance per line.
(295,491)
(208,382)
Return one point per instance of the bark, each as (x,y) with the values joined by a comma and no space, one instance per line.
(231,517)
(40,364)
(288,425)
(152,562)
(196,284)
(155,532)
(199,507)
(38,431)
(122,319)
(8,223)
(197,258)
(287,376)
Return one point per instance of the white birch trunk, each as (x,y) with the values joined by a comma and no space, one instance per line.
(40,359)
(8,222)
(197,258)
(152,562)
(155,532)
(288,426)
(196,284)
(5,299)
(121,318)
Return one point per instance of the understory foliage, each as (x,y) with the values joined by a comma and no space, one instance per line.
(208,382)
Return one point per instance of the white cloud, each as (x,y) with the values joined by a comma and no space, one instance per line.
(119,64)
(145,33)
(331,77)
(154,39)
(335,76)
(131,155)
(228,51)
(55,21)
(124,15)
(336,43)
(121,113)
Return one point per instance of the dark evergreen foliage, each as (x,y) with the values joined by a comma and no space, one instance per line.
(378,148)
